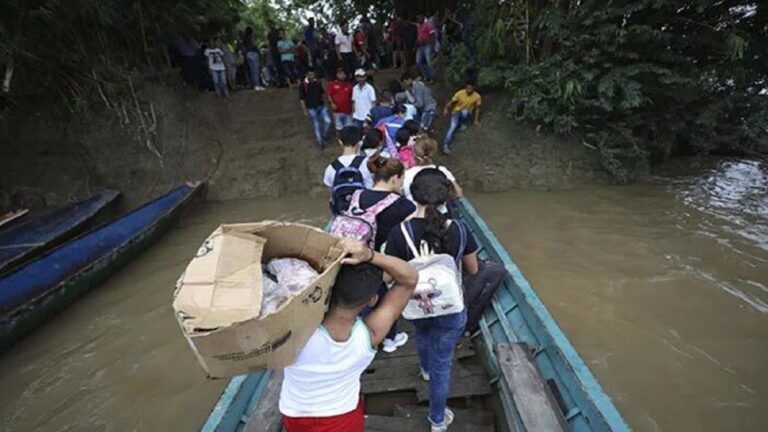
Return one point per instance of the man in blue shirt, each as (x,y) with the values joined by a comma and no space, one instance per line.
(313,43)
(390,125)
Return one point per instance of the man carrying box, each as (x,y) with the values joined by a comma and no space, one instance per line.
(321,389)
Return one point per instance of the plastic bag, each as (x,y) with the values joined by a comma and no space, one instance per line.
(282,279)
(292,273)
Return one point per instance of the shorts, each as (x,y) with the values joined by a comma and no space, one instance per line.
(352,421)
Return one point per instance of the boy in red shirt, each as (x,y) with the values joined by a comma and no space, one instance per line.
(426,42)
(339,92)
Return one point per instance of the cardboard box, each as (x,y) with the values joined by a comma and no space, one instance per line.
(218,297)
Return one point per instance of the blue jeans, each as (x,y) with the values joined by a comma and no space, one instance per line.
(424,61)
(219,78)
(427,117)
(254,64)
(321,122)
(342,120)
(457,119)
(436,339)
(290,70)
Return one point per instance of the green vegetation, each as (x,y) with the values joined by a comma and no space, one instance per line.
(639,80)
(86,53)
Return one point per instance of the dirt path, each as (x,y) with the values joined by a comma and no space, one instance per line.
(259,144)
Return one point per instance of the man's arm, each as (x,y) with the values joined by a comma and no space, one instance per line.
(304,107)
(448,107)
(477,115)
(338,49)
(391,306)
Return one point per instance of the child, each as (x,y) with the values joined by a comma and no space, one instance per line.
(350,139)
(321,389)
(285,46)
(405,143)
(217,69)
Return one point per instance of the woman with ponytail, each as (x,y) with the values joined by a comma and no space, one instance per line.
(394,208)
(436,337)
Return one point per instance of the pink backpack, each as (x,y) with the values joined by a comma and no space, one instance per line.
(360,224)
(407,156)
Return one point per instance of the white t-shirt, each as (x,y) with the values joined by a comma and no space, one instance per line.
(364,99)
(410,173)
(215,59)
(345,160)
(344,42)
(410,112)
(324,380)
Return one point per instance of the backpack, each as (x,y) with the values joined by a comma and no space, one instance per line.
(479,290)
(439,290)
(347,180)
(360,224)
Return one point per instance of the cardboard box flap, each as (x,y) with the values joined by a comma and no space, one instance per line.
(222,284)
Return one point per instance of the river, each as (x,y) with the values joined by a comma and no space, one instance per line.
(662,287)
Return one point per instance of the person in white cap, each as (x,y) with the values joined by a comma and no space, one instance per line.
(363,98)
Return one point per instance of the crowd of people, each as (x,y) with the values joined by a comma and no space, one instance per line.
(389,197)
(279,60)
(391,212)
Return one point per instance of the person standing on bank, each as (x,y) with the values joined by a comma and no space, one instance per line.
(344,48)
(287,57)
(422,99)
(425,45)
(340,95)
(312,98)
(436,337)
(321,389)
(363,98)
(217,69)
(273,37)
(252,57)
(461,106)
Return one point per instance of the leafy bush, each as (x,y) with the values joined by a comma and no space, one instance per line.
(639,80)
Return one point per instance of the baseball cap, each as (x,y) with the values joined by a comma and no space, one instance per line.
(360,72)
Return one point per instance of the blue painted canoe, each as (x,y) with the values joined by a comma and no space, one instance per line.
(516,315)
(24,241)
(35,291)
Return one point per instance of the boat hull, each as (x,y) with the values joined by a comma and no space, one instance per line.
(21,317)
(516,315)
(23,242)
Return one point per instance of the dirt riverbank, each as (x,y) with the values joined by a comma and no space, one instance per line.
(257,145)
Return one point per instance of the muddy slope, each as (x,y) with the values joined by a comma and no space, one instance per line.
(257,145)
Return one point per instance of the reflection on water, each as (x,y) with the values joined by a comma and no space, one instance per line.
(662,288)
(116,359)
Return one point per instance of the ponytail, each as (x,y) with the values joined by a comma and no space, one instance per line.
(432,189)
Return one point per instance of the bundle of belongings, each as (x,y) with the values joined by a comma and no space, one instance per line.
(254,294)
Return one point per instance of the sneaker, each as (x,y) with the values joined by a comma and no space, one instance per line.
(463,128)
(424,374)
(446,150)
(259,88)
(446,422)
(392,345)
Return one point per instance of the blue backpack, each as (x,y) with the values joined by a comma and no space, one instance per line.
(347,180)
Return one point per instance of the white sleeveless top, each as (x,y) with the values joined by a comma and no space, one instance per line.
(325,379)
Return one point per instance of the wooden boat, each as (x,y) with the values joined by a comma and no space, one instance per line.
(9,217)
(35,291)
(519,372)
(33,237)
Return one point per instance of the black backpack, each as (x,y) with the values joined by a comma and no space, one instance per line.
(347,180)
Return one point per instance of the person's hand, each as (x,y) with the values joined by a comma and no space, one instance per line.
(477,122)
(356,252)
(333,106)
(445,113)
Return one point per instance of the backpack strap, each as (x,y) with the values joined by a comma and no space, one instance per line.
(336,165)
(405,227)
(462,242)
(354,202)
(383,204)
(357,161)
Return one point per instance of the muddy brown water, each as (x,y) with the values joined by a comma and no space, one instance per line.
(662,287)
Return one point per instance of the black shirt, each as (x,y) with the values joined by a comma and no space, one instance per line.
(409,34)
(396,245)
(389,217)
(273,36)
(312,93)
